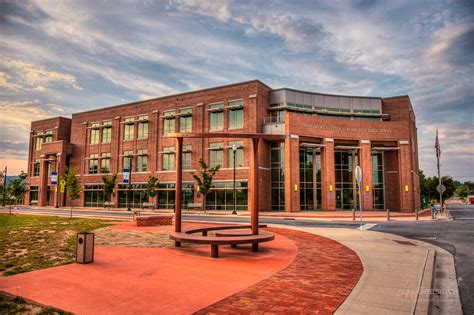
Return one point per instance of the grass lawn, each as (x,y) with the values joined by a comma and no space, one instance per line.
(30,242)
(16,305)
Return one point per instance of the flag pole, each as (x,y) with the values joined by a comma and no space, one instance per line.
(438,154)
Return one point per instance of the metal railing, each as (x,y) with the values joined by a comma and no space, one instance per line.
(273,120)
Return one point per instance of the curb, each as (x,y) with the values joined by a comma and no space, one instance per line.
(425,291)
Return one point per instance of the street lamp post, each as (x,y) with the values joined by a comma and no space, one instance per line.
(129,182)
(4,186)
(234,151)
(57,184)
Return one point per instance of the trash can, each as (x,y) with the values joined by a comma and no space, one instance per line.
(85,248)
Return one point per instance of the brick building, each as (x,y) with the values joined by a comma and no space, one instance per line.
(323,138)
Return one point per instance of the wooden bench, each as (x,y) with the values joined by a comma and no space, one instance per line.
(154,220)
(233,240)
(148,205)
(34,202)
(109,204)
(194,206)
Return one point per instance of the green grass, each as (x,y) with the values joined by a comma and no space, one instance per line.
(30,242)
(16,305)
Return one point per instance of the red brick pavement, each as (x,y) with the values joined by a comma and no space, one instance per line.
(318,281)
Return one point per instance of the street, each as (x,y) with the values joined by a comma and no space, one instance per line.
(455,236)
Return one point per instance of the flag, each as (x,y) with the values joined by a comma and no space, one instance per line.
(437,146)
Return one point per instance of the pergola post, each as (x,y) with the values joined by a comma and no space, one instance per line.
(254,196)
(179,179)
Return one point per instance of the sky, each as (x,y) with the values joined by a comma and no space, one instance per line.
(61,57)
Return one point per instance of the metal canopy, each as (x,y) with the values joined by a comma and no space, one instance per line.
(312,145)
(347,147)
(385,148)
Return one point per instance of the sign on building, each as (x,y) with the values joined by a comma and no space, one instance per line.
(54,178)
(126,176)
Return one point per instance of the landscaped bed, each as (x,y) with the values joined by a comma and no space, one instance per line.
(17,305)
(30,242)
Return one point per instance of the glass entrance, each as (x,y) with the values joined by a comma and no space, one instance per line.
(344,164)
(378,180)
(310,179)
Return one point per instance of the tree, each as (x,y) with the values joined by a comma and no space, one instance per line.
(73,185)
(109,186)
(152,187)
(462,191)
(17,188)
(204,180)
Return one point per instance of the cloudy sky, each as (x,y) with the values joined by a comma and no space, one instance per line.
(60,57)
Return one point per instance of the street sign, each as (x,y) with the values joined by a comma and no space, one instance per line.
(62,185)
(441,189)
(54,178)
(126,176)
(358,174)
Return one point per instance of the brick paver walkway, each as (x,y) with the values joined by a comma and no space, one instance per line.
(320,278)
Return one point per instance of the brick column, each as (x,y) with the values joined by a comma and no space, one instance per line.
(43,182)
(292,174)
(406,178)
(328,175)
(365,162)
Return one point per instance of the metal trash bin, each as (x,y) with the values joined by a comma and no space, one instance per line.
(85,248)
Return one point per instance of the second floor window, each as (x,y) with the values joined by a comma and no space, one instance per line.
(48,136)
(93,164)
(127,159)
(187,157)
(142,160)
(215,154)
(95,133)
(129,129)
(239,154)
(236,114)
(168,159)
(105,163)
(39,141)
(106,132)
(142,127)
(169,122)
(216,118)
(186,120)
(36,168)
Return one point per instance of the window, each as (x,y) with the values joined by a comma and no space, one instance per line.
(142,127)
(216,118)
(187,157)
(168,159)
(127,159)
(34,193)
(142,159)
(185,120)
(135,198)
(93,163)
(106,131)
(39,141)
(167,193)
(169,123)
(48,136)
(95,131)
(236,114)
(215,154)
(105,163)
(36,168)
(221,196)
(277,158)
(129,129)
(93,195)
(239,154)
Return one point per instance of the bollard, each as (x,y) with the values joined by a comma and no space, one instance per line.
(388,214)
(85,248)
(353,215)
(416,211)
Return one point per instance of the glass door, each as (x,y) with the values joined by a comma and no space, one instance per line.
(346,193)
(310,179)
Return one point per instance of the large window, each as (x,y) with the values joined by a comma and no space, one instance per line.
(187,157)
(93,196)
(277,157)
(236,114)
(106,131)
(216,154)
(239,154)
(93,164)
(216,117)
(129,129)
(310,178)
(221,196)
(39,141)
(168,159)
(48,136)
(169,122)
(167,193)
(344,164)
(136,197)
(142,127)
(33,194)
(127,160)
(95,133)
(185,120)
(142,160)
(105,163)
(36,168)
(378,183)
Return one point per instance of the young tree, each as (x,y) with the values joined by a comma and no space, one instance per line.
(152,187)
(109,186)
(17,188)
(73,185)
(204,180)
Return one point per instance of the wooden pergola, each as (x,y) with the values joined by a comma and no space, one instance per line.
(256,137)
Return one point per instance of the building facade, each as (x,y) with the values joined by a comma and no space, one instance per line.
(324,137)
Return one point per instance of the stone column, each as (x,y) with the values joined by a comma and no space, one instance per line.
(365,163)
(292,174)
(328,175)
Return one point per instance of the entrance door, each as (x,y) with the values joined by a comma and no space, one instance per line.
(344,164)
(310,179)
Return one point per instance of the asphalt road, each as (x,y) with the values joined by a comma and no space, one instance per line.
(456,236)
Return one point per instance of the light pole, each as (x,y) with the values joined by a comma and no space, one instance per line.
(57,184)
(129,181)
(4,186)
(234,151)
